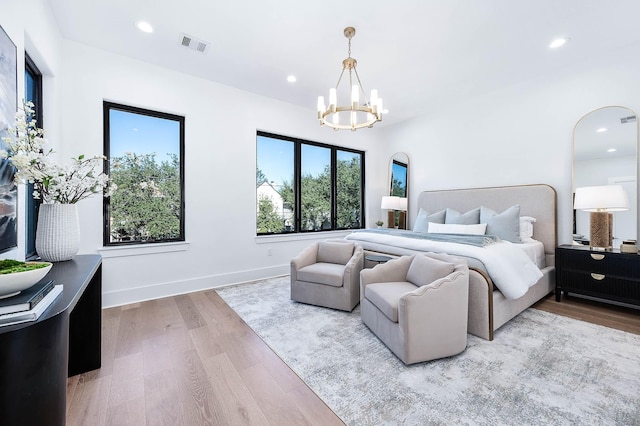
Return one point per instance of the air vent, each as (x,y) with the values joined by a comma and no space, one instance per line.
(193,43)
(629,119)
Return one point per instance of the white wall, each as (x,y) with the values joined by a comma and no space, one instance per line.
(519,135)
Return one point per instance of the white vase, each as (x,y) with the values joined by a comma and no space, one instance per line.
(58,232)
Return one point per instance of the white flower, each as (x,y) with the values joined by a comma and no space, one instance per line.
(52,183)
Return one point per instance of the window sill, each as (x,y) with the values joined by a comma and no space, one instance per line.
(266,239)
(143,249)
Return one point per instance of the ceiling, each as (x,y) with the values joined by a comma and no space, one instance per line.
(420,55)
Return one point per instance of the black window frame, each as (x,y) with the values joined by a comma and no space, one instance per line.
(107,107)
(32,205)
(297,183)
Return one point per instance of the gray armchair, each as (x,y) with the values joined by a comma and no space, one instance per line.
(417,305)
(327,273)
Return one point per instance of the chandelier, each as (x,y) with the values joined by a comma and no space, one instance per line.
(355,115)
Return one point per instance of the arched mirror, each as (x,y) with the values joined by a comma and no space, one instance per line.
(399,184)
(399,175)
(605,152)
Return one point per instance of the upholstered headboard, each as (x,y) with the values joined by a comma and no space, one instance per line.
(538,201)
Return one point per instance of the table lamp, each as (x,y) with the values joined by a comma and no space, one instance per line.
(600,201)
(391,203)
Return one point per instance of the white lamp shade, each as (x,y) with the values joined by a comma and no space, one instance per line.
(609,198)
(402,205)
(393,202)
(389,202)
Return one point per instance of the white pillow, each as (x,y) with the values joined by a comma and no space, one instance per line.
(526,227)
(455,228)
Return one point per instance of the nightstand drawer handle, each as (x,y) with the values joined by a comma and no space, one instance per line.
(595,256)
(598,277)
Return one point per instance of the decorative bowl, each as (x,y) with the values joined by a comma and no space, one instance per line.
(12,284)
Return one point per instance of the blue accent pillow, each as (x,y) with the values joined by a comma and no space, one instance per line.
(472,217)
(505,225)
(423,219)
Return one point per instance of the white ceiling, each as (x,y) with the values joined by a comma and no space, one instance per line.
(418,54)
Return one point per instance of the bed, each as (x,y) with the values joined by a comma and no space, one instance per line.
(489,309)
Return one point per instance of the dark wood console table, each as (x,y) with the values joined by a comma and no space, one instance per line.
(36,358)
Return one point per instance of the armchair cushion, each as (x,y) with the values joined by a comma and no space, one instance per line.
(385,296)
(334,252)
(424,270)
(323,273)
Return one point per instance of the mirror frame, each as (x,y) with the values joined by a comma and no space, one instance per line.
(573,166)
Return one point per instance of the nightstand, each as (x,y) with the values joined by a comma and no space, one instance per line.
(608,275)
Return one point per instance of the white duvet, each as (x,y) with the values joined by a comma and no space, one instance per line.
(510,269)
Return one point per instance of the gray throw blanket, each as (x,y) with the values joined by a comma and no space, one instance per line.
(472,240)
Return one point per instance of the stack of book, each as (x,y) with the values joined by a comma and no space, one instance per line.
(29,304)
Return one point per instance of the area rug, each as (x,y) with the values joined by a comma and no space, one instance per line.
(541,368)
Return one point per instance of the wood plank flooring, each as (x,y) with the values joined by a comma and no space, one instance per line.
(190,360)
(607,314)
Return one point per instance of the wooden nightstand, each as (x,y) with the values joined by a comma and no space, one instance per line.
(608,275)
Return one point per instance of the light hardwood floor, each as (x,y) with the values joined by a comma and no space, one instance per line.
(607,314)
(190,360)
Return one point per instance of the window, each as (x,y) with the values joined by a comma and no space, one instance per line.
(302,186)
(145,153)
(32,93)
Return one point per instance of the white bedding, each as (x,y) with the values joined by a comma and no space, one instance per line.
(510,268)
(534,250)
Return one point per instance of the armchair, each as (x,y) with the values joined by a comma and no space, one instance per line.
(417,305)
(327,273)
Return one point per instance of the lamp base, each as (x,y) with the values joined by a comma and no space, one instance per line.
(402,220)
(600,229)
(391,219)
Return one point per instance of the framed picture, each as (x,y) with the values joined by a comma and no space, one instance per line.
(8,106)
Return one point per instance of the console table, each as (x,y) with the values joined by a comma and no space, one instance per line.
(36,358)
(608,275)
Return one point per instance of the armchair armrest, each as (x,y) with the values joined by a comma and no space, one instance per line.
(445,299)
(351,278)
(306,257)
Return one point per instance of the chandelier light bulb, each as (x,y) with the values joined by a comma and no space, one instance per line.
(333,98)
(355,95)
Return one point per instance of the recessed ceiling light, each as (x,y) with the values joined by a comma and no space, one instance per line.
(601,129)
(145,27)
(385,111)
(611,150)
(560,41)
(291,79)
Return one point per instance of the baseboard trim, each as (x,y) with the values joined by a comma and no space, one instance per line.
(160,290)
